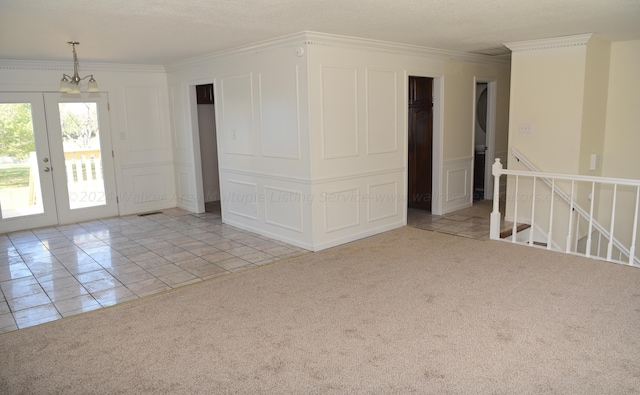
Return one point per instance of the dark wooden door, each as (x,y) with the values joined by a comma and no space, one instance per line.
(420,141)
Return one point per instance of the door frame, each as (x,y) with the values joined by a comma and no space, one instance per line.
(66,215)
(43,124)
(49,216)
(437,148)
(192,103)
(490,153)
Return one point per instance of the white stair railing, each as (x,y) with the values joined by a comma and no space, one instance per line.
(616,251)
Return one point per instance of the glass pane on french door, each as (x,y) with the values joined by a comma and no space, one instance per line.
(26,183)
(82,154)
(19,179)
(81,149)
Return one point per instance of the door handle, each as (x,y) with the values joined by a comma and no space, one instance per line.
(46,169)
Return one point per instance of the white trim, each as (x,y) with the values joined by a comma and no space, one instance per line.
(149,164)
(325,39)
(306,181)
(490,142)
(11,64)
(546,43)
(275,236)
(357,236)
(309,38)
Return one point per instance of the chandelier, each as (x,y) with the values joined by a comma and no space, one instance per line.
(71,84)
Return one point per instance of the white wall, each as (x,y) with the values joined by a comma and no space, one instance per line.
(312,133)
(622,134)
(547,93)
(139,119)
(262,132)
(458,125)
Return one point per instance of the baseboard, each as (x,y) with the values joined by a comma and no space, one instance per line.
(362,235)
(262,232)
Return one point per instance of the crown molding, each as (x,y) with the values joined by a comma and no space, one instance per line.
(325,39)
(11,64)
(291,40)
(547,43)
(309,38)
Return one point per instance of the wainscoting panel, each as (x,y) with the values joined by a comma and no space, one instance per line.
(382,112)
(147,188)
(240,198)
(283,208)
(273,206)
(237,114)
(339,112)
(184,185)
(280,113)
(142,118)
(382,201)
(358,206)
(457,184)
(342,209)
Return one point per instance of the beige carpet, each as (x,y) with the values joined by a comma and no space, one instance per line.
(406,311)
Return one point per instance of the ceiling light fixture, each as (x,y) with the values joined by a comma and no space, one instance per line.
(70,84)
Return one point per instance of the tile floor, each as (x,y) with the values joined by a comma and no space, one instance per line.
(454,224)
(473,222)
(55,272)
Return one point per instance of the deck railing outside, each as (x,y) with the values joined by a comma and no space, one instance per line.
(82,168)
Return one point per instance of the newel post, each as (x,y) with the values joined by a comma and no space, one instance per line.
(494,230)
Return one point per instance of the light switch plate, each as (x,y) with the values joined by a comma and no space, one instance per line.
(525,128)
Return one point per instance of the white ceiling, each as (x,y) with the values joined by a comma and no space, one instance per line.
(164,31)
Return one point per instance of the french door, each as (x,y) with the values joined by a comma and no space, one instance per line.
(56,164)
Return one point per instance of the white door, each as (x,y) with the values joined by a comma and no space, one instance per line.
(81,156)
(65,174)
(26,182)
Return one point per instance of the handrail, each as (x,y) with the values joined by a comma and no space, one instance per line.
(546,177)
(569,177)
(574,205)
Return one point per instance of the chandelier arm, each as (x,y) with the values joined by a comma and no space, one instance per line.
(70,84)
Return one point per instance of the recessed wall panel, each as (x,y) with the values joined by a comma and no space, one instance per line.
(342,209)
(283,208)
(382,112)
(149,187)
(240,198)
(143,118)
(339,112)
(383,201)
(280,128)
(237,113)
(180,139)
(457,181)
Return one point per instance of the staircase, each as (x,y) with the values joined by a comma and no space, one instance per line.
(547,211)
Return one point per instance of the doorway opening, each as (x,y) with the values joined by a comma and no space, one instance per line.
(420,141)
(484,140)
(208,147)
(480,142)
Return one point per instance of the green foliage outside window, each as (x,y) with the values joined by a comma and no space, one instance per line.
(16,130)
